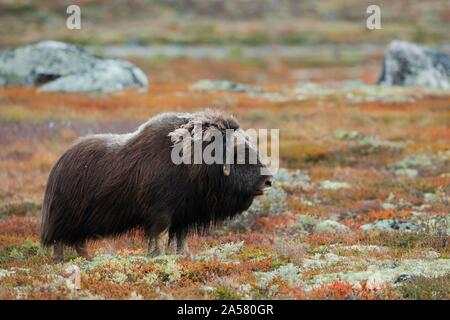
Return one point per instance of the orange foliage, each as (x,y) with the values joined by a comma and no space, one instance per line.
(336,290)
(439,133)
(276,222)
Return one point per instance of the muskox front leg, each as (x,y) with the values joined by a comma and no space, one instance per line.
(157,235)
(157,245)
(58,252)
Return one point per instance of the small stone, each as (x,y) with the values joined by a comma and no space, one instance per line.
(403,278)
(410,173)
(390,225)
(341,134)
(223,85)
(72,276)
(430,197)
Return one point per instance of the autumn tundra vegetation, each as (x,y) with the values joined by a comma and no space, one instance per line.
(359,208)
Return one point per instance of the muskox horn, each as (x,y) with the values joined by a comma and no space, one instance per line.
(226,170)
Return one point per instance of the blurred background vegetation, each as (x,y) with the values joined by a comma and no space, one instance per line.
(231,22)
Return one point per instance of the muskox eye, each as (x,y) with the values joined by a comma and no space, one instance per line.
(226,170)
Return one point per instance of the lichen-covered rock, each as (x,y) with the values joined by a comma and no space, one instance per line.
(380,274)
(417,164)
(389,225)
(72,276)
(62,67)
(408,64)
(223,85)
(331,227)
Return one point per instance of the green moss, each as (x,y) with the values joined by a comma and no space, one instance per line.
(18,8)
(410,240)
(421,288)
(423,34)
(23,251)
(19,209)
(225,293)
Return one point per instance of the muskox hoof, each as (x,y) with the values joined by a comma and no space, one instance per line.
(81,250)
(58,252)
(157,253)
(85,256)
(185,253)
(183,249)
(58,259)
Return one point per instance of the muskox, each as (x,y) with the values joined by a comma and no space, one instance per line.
(108,184)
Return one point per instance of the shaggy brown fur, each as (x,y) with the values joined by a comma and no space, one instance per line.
(105,185)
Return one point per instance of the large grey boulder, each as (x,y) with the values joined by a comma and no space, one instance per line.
(409,64)
(61,67)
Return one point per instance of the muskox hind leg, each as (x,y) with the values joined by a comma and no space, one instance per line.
(81,249)
(182,247)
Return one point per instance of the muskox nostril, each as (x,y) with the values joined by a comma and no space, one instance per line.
(268,183)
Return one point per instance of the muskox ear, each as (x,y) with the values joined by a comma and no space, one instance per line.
(226,169)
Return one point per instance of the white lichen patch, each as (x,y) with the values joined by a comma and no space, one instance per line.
(119,277)
(357,249)
(412,165)
(245,291)
(169,270)
(289,273)
(4,273)
(72,276)
(379,273)
(108,261)
(331,227)
(390,225)
(334,185)
(273,202)
(150,278)
(320,261)
(358,139)
(222,253)
(294,178)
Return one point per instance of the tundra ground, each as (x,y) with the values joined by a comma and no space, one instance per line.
(360,209)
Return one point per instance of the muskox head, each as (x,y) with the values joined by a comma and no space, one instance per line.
(243,168)
(216,148)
